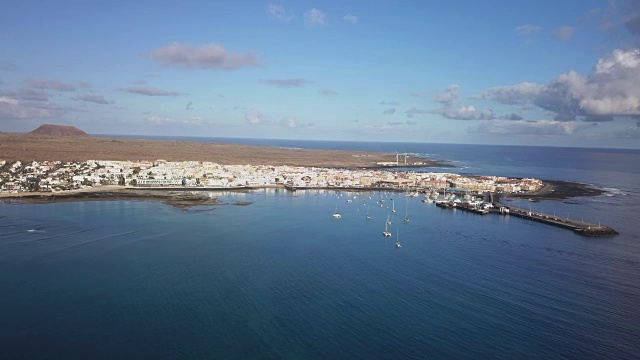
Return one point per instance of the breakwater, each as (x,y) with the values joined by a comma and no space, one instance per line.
(579,227)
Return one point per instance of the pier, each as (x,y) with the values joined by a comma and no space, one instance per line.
(579,227)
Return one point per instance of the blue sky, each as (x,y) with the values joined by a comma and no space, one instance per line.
(497,72)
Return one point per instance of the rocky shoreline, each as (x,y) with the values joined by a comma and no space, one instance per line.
(189,197)
(559,190)
(179,199)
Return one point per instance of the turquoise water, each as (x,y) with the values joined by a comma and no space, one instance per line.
(281,278)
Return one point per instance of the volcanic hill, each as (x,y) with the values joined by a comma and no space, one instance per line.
(58,130)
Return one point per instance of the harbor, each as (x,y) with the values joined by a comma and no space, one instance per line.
(577,226)
(493,206)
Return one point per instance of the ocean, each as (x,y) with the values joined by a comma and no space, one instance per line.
(281,278)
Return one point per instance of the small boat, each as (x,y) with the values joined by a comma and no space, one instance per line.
(368,216)
(398,245)
(337,214)
(386,232)
(406,215)
(388,220)
(393,206)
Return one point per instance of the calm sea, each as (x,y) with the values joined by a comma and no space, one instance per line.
(281,278)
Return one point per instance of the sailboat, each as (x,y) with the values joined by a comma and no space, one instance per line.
(406,213)
(386,230)
(368,216)
(337,214)
(388,220)
(393,206)
(398,245)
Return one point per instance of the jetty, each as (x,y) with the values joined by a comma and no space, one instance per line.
(579,227)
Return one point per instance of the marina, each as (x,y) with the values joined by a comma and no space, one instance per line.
(494,207)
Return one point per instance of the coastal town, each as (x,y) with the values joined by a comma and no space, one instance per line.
(57,176)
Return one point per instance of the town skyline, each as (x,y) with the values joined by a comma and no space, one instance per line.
(505,73)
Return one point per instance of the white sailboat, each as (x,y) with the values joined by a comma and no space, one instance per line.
(398,245)
(337,214)
(388,220)
(393,206)
(368,216)
(406,214)
(386,230)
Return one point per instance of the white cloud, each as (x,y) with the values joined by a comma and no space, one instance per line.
(162,121)
(415,111)
(511,116)
(9,101)
(612,89)
(540,127)
(159,121)
(563,33)
(350,18)
(528,29)
(14,109)
(279,13)
(466,113)
(28,94)
(209,56)
(96,99)
(315,18)
(290,122)
(511,95)
(150,91)
(55,84)
(286,82)
(448,96)
(255,117)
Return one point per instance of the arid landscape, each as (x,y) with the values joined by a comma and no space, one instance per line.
(39,146)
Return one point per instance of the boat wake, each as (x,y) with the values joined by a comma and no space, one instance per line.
(48,237)
(97,239)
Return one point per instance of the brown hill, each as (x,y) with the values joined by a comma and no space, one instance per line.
(58,130)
